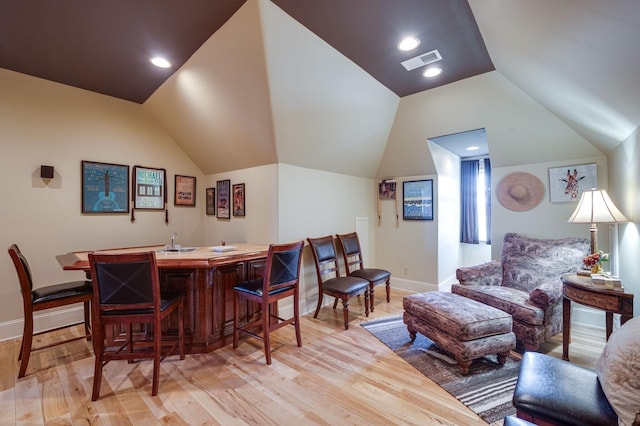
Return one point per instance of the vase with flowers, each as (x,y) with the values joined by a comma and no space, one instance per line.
(594,261)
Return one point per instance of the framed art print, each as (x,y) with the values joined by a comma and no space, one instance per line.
(417,200)
(238,199)
(105,187)
(223,188)
(210,207)
(185,191)
(149,188)
(567,183)
(387,189)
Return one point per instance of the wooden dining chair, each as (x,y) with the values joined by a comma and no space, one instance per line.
(281,280)
(350,246)
(126,291)
(329,280)
(46,297)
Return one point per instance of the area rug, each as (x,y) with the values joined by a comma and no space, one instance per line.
(487,389)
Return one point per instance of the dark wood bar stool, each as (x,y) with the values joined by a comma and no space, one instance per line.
(47,297)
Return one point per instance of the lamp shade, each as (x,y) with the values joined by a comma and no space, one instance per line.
(595,206)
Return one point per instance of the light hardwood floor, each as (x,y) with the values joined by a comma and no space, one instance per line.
(338,377)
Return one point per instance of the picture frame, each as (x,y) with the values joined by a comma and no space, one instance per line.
(184,193)
(387,189)
(238,200)
(417,200)
(105,187)
(149,188)
(223,195)
(210,204)
(567,183)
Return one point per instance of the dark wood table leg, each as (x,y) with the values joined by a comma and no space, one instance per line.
(609,323)
(566,327)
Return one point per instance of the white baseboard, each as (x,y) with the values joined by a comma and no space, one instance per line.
(43,321)
(412,286)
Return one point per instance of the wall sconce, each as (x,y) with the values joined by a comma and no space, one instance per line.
(46,172)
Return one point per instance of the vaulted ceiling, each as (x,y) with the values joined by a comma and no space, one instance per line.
(257,81)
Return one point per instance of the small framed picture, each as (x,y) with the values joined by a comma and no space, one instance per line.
(417,200)
(184,191)
(105,187)
(567,183)
(223,188)
(238,199)
(210,207)
(387,189)
(149,187)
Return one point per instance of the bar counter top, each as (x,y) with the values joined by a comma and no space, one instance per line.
(187,257)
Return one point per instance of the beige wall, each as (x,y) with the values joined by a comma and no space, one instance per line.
(48,123)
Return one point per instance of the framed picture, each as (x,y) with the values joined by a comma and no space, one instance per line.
(210,205)
(567,183)
(184,191)
(149,188)
(222,199)
(387,189)
(105,188)
(238,199)
(417,200)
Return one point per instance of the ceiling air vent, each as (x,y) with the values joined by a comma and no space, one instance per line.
(422,60)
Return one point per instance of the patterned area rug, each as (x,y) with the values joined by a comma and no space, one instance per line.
(487,389)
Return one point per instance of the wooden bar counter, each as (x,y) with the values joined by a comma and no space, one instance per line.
(207,278)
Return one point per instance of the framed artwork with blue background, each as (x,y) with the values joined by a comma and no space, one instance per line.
(417,200)
(105,187)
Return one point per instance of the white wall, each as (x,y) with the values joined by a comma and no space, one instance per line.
(42,122)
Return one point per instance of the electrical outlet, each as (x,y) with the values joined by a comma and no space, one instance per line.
(405,270)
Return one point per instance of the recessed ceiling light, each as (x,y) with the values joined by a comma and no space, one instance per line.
(160,62)
(432,72)
(408,43)
(472,148)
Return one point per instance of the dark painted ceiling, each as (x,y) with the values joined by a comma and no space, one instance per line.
(104,46)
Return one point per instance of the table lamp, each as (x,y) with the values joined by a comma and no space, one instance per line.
(595,207)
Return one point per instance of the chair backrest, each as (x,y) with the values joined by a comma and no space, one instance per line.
(324,255)
(23,270)
(282,269)
(351,252)
(125,281)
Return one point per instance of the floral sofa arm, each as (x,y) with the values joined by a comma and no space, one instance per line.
(547,293)
(489,273)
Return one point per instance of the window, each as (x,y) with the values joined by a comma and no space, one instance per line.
(475,191)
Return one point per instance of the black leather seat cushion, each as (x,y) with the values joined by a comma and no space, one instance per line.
(57,291)
(167,300)
(255,287)
(371,274)
(551,389)
(348,285)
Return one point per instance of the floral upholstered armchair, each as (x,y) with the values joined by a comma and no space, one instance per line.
(526,283)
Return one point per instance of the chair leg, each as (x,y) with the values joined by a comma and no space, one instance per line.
(345,311)
(266,317)
(320,297)
(296,316)
(371,297)
(98,350)
(388,285)
(87,320)
(157,353)
(27,340)
(367,305)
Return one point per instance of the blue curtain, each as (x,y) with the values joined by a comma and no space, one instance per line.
(468,200)
(487,193)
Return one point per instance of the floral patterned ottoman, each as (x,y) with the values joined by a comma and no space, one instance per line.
(463,327)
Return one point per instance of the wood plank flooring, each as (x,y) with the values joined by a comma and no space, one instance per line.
(344,377)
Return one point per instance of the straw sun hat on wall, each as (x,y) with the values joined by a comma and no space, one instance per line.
(520,191)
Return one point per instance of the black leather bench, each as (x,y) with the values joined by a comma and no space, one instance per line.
(551,391)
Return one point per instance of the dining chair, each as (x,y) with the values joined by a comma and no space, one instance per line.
(352,254)
(281,280)
(329,280)
(126,291)
(46,297)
